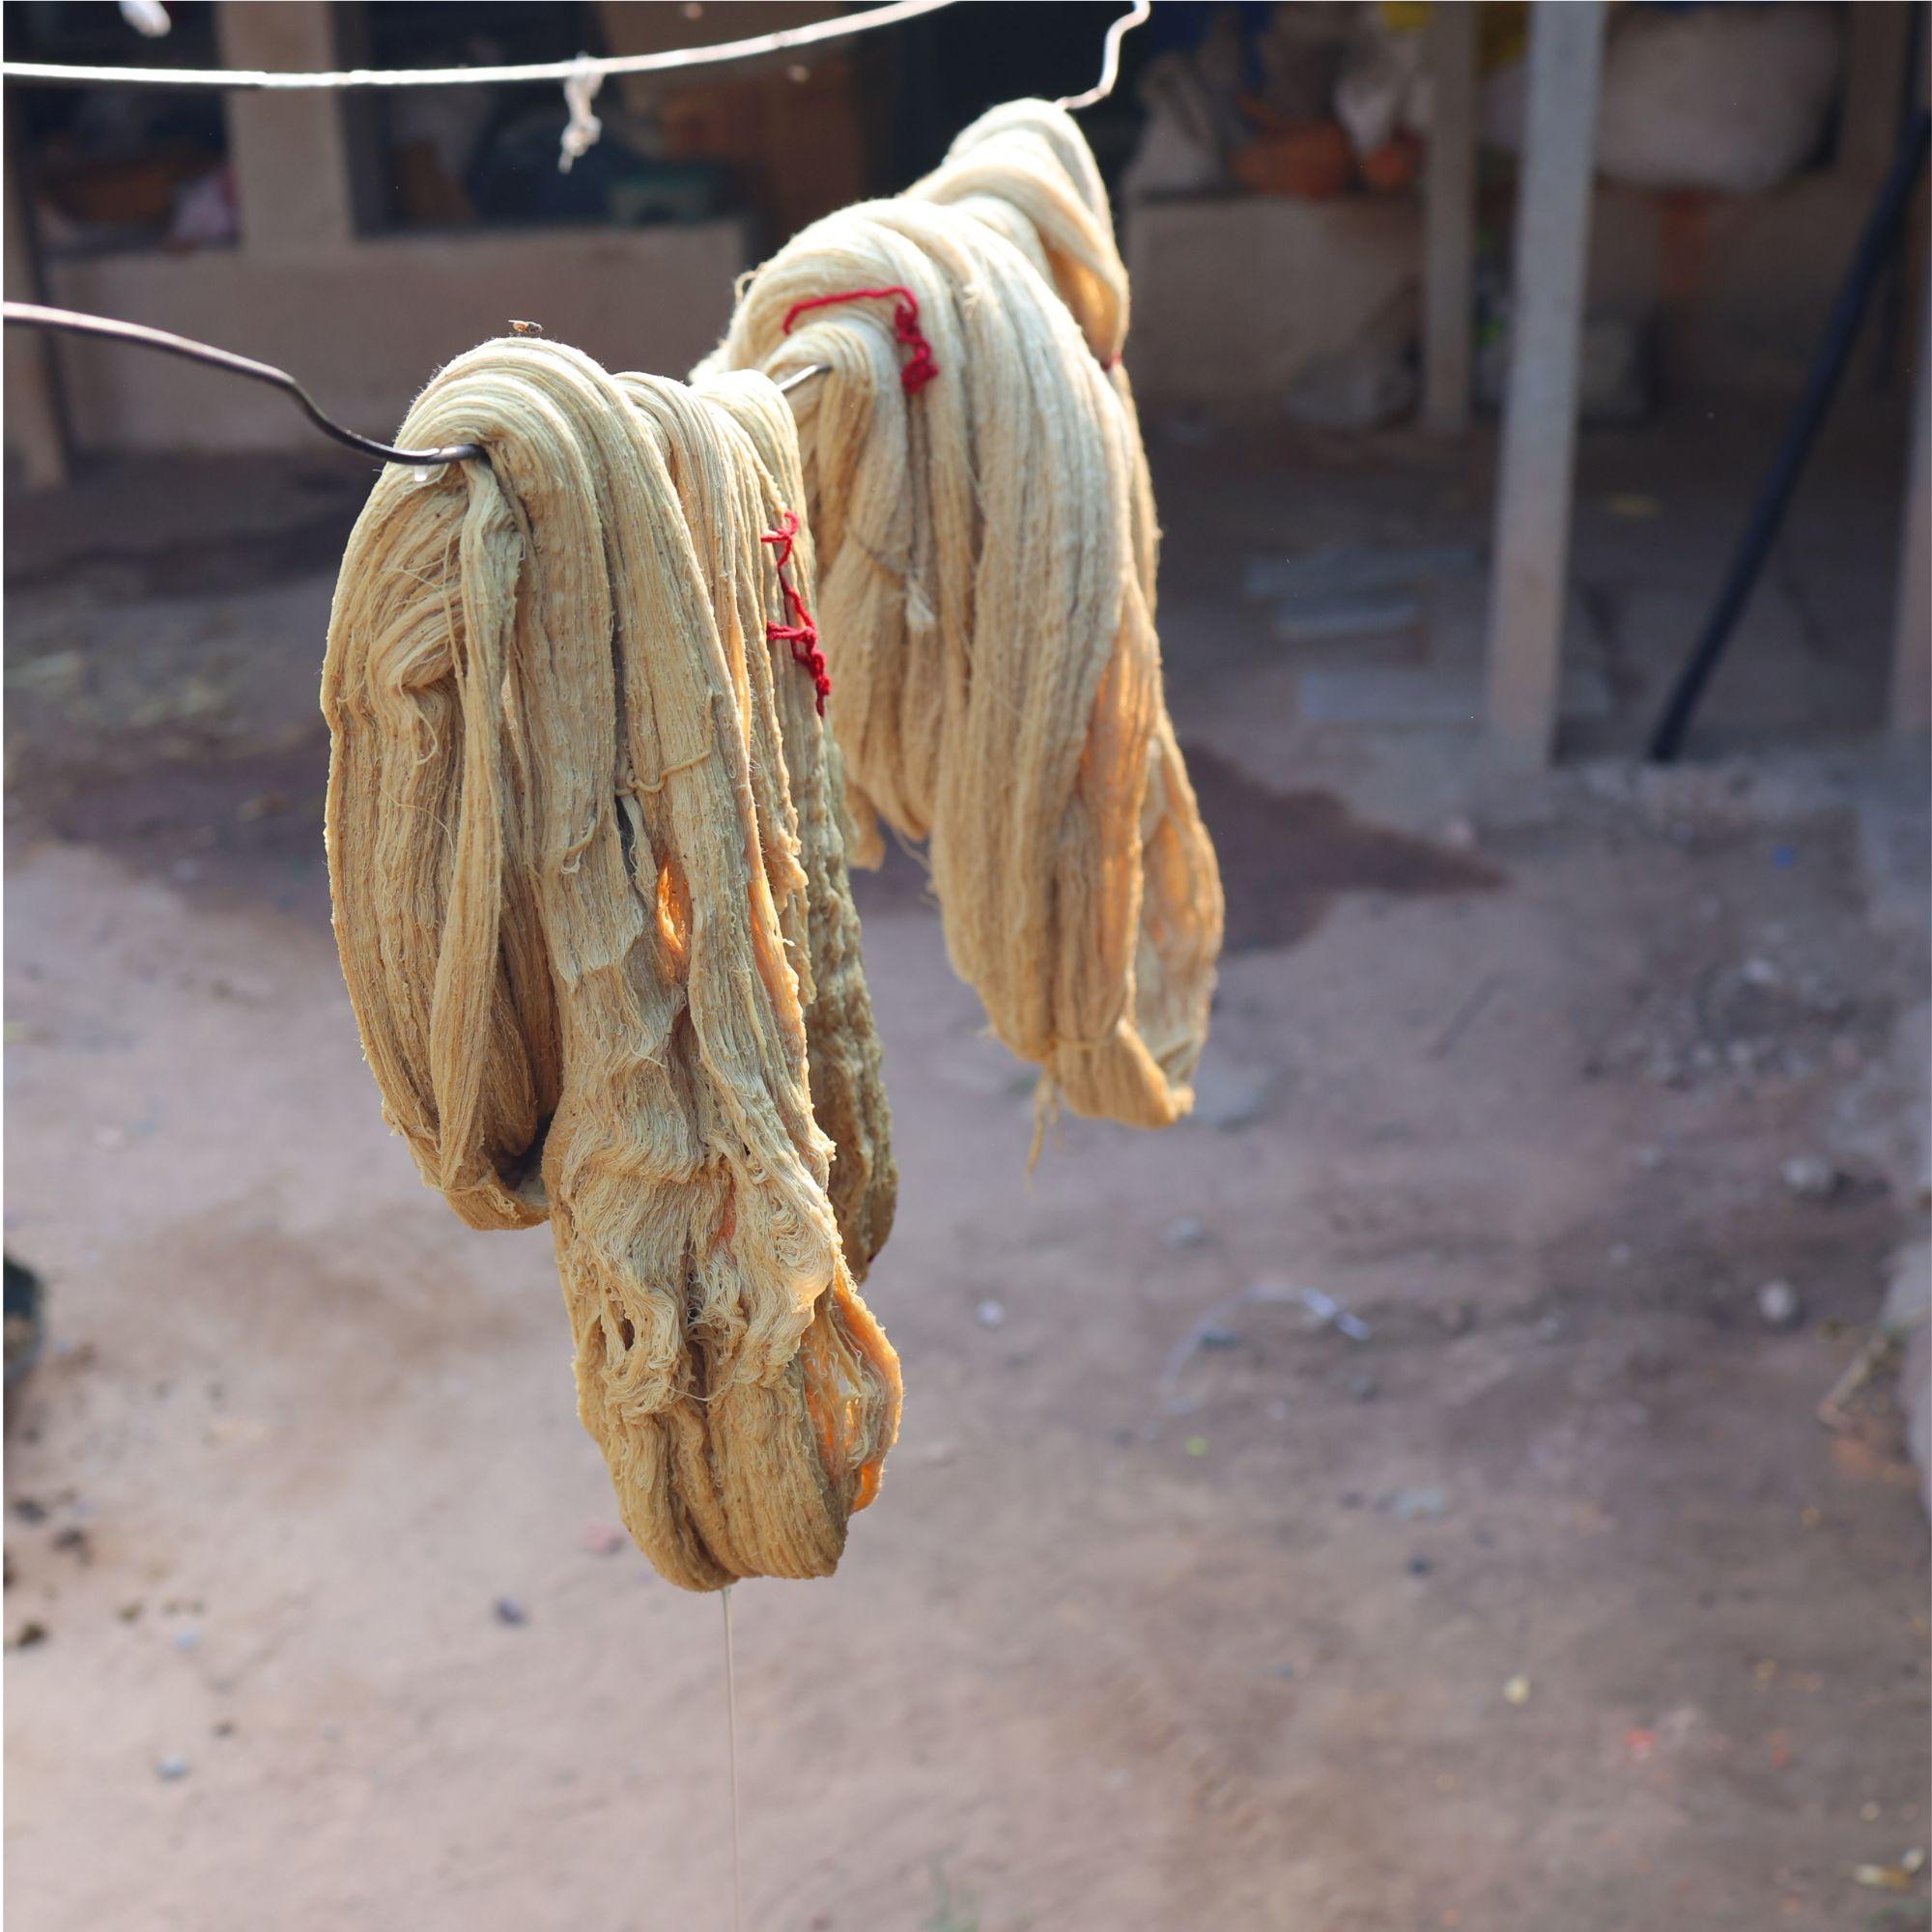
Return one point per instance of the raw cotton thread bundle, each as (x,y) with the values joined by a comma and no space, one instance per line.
(590,903)
(848,1095)
(987,545)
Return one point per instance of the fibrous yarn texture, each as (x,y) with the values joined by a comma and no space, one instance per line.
(591,904)
(988,552)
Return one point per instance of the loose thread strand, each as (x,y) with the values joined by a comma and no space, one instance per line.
(731,1753)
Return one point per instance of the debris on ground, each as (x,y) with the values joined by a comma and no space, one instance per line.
(510,1612)
(603,1539)
(1517,1690)
(171,1768)
(1228,1097)
(1328,1313)
(1743,1023)
(1779,1306)
(1891,1878)
(1903,1329)
(1812,1177)
(1216,1329)
(1416,1505)
(1186,1232)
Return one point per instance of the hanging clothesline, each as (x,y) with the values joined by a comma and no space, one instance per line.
(72,322)
(584,67)
(581,79)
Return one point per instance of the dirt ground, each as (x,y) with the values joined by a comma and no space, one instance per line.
(1541,1604)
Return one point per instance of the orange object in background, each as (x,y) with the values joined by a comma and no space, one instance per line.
(1394,165)
(1310,161)
(132,193)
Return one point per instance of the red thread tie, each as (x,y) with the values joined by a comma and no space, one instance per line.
(916,372)
(802,635)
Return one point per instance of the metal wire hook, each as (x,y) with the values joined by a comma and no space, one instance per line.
(70,321)
(1110,59)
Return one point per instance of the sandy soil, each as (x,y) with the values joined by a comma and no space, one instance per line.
(1549,1605)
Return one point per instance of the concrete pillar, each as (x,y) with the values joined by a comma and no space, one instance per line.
(289,151)
(1449,207)
(1527,593)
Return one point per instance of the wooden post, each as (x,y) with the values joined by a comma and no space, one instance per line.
(1878,34)
(1910,711)
(1528,588)
(291,150)
(1449,210)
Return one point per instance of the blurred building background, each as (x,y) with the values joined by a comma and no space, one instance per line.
(1267,161)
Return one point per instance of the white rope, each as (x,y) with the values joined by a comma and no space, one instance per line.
(581,132)
(560,71)
(1110,59)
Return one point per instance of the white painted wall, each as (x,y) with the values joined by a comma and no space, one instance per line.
(366,324)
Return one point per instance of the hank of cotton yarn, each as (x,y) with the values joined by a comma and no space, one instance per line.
(589,896)
(988,547)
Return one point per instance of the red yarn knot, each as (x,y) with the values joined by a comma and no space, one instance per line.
(802,635)
(782,538)
(920,368)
